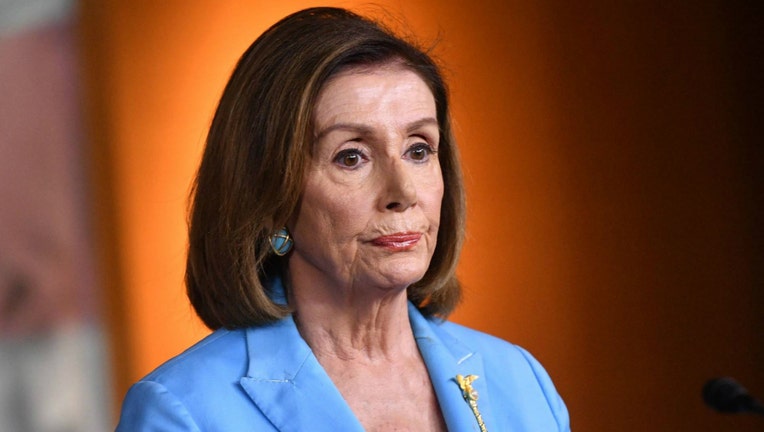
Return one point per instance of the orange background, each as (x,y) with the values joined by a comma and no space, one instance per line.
(613,169)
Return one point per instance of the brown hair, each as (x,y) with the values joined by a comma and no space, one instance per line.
(252,170)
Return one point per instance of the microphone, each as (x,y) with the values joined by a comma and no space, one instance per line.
(727,396)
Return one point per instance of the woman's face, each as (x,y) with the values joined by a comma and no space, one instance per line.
(370,210)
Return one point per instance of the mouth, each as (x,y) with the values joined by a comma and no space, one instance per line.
(398,241)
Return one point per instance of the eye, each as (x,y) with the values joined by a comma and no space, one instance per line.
(420,152)
(349,158)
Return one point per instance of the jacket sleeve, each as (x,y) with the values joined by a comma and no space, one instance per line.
(553,398)
(150,407)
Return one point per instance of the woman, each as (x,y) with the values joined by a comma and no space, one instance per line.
(326,224)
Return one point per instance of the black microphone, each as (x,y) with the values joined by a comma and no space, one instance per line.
(728,396)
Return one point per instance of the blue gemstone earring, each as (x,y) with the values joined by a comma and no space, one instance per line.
(281,242)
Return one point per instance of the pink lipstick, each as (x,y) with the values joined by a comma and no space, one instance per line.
(398,241)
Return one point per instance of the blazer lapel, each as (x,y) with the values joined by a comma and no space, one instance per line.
(446,357)
(285,380)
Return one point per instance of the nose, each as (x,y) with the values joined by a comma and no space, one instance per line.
(399,189)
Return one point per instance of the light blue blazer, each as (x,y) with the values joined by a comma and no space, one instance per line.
(267,379)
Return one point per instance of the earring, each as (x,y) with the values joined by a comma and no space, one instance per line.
(281,242)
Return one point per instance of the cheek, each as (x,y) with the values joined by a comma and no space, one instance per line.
(328,214)
(431,195)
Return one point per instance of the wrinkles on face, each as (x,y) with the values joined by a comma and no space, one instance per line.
(370,209)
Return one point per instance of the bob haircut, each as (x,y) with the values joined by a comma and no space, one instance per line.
(259,146)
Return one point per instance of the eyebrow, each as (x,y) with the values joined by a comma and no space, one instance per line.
(366,130)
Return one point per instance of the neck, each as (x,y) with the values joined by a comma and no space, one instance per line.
(359,324)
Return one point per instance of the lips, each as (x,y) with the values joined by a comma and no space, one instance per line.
(398,241)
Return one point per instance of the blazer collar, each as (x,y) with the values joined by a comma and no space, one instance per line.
(446,357)
(290,387)
(285,380)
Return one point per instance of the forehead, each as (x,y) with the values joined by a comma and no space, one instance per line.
(369,90)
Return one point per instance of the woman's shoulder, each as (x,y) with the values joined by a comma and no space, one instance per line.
(223,352)
(191,390)
(469,333)
(462,339)
(479,341)
(493,349)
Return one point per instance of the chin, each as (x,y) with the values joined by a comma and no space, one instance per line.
(401,275)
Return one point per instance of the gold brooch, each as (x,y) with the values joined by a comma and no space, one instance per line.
(471,396)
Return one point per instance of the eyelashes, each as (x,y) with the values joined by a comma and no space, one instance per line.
(353,158)
(420,152)
(350,158)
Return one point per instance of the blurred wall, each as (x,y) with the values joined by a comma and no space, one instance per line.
(51,335)
(613,166)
